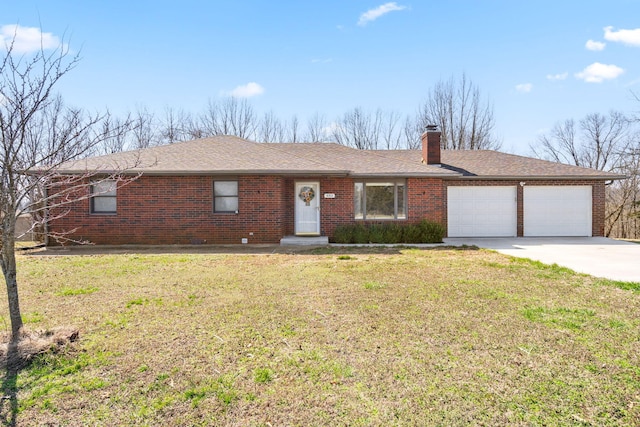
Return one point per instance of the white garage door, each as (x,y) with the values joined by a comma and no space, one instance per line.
(557,210)
(481,211)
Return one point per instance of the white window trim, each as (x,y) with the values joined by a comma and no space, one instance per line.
(103,195)
(236,196)
(396,183)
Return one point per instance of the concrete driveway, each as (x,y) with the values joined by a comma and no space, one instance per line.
(597,256)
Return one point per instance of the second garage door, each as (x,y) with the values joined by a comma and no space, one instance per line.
(481,211)
(557,210)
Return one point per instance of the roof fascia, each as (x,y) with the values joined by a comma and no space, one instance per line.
(539,177)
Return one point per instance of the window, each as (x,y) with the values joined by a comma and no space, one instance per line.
(225,196)
(380,200)
(103,197)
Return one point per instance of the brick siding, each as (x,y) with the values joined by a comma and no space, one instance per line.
(179,209)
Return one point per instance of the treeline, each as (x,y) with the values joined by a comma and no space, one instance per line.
(464,117)
(608,142)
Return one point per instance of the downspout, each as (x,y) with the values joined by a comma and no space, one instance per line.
(45,226)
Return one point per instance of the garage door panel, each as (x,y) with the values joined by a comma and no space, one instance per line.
(481,211)
(557,211)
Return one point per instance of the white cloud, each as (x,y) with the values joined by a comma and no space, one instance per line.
(594,45)
(597,72)
(247,91)
(373,14)
(26,39)
(330,129)
(630,37)
(555,77)
(321,61)
(524,87)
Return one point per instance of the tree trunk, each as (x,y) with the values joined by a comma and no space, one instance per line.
(9,270)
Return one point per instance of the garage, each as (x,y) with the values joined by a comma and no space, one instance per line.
(482,211)
(557,210)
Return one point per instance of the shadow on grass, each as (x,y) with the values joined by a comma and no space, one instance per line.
(9,405)
(18,354)
(381,249)
(239,249)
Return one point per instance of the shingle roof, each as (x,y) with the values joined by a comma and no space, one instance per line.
(362,162)
(220,154)
(494,164)
(233,155)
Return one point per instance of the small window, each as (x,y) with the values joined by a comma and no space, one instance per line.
(380,200)
(103,197)
(225,196)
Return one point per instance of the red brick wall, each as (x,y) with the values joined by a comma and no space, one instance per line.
(425,199)
(339,210)
(598,208)
(179,210)
(598,197)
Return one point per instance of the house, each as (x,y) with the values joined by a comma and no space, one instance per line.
(227,190)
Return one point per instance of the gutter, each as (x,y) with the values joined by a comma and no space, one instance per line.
(204,172)
(539,177)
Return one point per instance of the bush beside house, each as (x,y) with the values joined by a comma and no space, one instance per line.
(422,232)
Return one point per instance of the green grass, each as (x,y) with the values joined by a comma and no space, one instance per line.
(64,292)
(338,336)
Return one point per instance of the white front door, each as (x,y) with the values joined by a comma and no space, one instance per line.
(307,208)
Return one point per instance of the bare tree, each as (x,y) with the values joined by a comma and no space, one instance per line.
(144,132)
(231,116)
(293,130)
(316,128)
(464,118)
(237,117)
(359,129)
(117,141)
(392,135)
(175,127)
(271,128)
(208,123)
(597,141)
(37,131)
(602,142)
(623,199)
(413,130)
(364,130)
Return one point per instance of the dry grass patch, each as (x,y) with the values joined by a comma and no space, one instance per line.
(17,354)
(402,337)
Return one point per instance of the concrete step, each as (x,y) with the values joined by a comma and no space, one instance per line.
(304,241)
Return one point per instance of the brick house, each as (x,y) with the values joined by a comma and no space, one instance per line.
(227,190)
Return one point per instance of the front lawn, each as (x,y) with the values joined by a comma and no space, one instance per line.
(338,337)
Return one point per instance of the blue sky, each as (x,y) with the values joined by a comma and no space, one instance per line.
(538,62)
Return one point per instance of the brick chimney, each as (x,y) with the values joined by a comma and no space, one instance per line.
(431,146)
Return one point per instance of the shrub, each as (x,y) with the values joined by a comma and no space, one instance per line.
(343,234)
(376,233)
(411,234)
(431,232)
(391,232)
(394,233)
(360,234)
